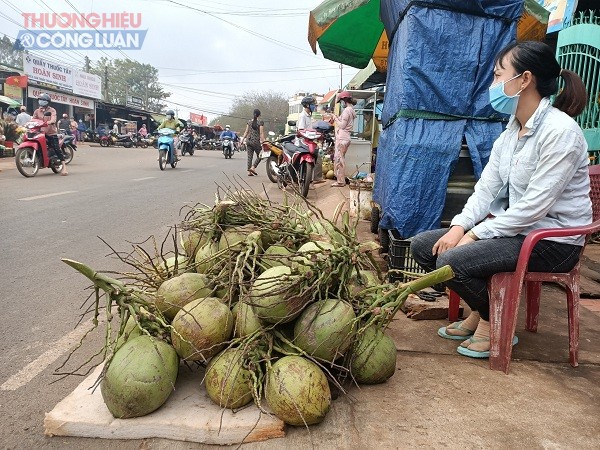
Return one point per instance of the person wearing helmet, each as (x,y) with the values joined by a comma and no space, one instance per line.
(228,133)
(50,130)
(174,124)
(305,117)
(64,124)
(344,123)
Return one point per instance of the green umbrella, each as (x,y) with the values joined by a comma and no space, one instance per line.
(349,32)
(9,101)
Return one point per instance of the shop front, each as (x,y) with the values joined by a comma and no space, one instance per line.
(64,103)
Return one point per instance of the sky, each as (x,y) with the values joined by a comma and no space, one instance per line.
(207,52)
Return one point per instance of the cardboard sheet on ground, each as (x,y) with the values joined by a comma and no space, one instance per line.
(188,415)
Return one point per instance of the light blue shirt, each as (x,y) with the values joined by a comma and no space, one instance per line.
(548,179)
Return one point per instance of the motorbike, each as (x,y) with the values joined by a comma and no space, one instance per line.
(116,139)
(67,145)
(228,148)
(186,143)
(298,158)
(273,153)
(33,153)
(166,149)
(138,140)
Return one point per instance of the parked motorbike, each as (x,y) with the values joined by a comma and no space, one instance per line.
(67,145)
(138,140)
(166,148)
(116,139)
(33,153)
(186,143)
(228,149)
(273,153)
(298,159)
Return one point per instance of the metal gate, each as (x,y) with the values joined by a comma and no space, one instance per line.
(578,49)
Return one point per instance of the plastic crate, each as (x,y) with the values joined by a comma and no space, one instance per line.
(399,257)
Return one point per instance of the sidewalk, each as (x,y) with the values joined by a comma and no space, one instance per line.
(438,398)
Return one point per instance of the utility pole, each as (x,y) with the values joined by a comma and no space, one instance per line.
(87,64)
(105,83)
(146,94)
(341,82)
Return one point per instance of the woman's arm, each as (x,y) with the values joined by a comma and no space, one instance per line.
(261,129)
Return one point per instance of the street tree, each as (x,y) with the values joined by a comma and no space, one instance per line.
(130,78)
(8,55)
(272,105)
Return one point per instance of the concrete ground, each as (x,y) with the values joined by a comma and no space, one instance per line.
(439,399)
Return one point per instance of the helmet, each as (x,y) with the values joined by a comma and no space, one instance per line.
(44,100)
(307,101)
(227,127)
(170,112)
(344,95)
(65,116)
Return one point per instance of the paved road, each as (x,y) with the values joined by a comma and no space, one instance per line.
(118,194)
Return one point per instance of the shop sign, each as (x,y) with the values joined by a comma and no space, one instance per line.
(13,92)
(198,118)
(136,102)
(87,84)
(65,99)
(47,72)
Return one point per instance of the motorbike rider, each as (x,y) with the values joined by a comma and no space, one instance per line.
(305,121)
(64,124)
(50,130)
(174,124)
(228,133)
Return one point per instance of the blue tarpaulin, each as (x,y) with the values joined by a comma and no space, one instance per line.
(440,66)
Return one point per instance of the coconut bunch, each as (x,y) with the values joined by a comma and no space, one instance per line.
(277,302)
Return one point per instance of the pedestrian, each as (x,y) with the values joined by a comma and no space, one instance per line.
(81,129)
(73,129)
(50,130)
(23,117)
(143,131)
(536,177)
(253,136)
(345,124)
(371,133)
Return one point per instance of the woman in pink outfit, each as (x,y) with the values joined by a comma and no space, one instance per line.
(344,123)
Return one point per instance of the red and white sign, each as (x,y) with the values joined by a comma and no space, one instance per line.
(65,99)
(47,72)
(87,84)
(198,118)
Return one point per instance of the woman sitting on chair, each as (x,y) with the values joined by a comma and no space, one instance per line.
(536,177)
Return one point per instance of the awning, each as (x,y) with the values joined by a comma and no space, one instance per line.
(9,101)
(361,76)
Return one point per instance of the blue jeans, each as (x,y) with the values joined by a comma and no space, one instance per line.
(473,264)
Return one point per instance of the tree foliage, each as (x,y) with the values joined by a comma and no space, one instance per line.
(272,105)
(8,55)
(131,78)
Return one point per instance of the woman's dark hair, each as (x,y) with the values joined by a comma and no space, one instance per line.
(539,59)
(255,121)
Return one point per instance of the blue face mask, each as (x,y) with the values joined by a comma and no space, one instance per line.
(500,101)
(312,108)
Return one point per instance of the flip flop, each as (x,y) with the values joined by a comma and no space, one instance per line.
(457,326)
(253,171)
(480,355)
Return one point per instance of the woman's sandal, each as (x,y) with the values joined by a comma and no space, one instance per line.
(466,351)
(252,171)
(455,326)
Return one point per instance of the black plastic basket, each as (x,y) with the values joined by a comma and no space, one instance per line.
(399,258)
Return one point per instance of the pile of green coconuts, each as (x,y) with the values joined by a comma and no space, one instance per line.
(272,302)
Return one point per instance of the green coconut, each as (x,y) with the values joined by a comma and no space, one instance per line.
(245,320)
(297,391)
(201,329)
(206,259)
(168,265)
(227,382)
(271,296)
(140,378)
(367,279)
(309,253)
(330,175)
(179,291)
(192,240)
(130,331)
(276,255)
(373,357)
(326,329)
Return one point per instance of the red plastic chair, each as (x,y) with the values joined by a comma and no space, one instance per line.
(506,288)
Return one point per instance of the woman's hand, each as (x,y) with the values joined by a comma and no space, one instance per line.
(451,239)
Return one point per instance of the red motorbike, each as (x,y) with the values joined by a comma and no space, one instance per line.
(33,153)
(296,163)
